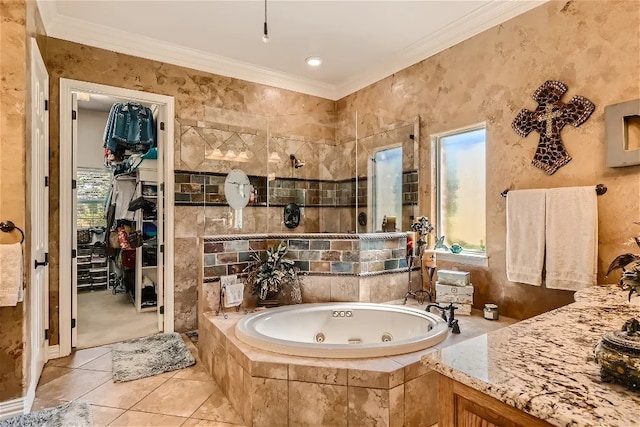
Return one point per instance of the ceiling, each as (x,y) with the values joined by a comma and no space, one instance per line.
(360,42)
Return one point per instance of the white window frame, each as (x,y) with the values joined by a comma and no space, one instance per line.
(471,257)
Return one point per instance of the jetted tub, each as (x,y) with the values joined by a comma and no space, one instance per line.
(342,330)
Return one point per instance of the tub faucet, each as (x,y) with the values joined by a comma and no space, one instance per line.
(452,322)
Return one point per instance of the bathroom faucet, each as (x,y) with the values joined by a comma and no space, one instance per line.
(452,322)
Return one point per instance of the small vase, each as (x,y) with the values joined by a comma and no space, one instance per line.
(272,300)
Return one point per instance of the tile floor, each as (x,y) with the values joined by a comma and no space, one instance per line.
(188,397)
(96,311)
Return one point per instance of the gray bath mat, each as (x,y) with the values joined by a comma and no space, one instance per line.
(69,414)
(148,356)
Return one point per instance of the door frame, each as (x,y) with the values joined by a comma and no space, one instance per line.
(67,86)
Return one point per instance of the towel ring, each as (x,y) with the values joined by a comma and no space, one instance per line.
(8,226)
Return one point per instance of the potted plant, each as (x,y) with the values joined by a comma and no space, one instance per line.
(275,277)
(630,265)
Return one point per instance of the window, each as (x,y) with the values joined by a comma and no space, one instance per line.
(93,189)
(461,175)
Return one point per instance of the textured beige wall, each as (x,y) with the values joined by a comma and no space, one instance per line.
(199,96)
(12,178)
(591,46)
(19,20)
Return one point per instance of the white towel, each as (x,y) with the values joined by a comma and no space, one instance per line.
(572,238)
(525,236)
(233,295)
(11,277)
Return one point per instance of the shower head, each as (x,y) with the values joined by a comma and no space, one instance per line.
(296,163)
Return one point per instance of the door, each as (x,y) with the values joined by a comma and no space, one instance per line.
(39,304)
(74,218)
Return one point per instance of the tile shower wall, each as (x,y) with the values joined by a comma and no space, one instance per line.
(207,188)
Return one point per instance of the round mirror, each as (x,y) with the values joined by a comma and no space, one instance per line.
(237,189)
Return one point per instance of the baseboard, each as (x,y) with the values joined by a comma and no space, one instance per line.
(53,352)
(30,397)
(11,408)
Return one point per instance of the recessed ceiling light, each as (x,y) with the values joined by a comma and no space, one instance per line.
(313,61)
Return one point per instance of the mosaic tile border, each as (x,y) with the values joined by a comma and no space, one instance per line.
(195,188)
(344,255)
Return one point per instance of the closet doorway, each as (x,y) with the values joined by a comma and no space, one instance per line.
(117,282)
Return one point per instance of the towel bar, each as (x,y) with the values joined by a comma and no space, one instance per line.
(8,226)
(600,190)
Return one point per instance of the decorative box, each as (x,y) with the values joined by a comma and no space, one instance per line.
(458,294)
(618,354)
(455,278)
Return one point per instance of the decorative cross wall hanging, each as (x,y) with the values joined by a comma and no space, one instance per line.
(548,120)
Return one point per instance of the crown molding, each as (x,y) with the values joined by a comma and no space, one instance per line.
(481,19)
(104,37)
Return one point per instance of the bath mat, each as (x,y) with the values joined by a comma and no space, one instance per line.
(148,356)
(70,414)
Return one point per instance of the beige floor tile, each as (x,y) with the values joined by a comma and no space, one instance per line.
(50,373)
(72,385)
(39,403)
(97,311)
(139,419)
(102,363)
(217,408)
(123,395)
(190,345)
(194,422)
(177,397)
(80,357)
(195,372)
(102,415)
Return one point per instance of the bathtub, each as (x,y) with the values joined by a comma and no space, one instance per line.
(342,330)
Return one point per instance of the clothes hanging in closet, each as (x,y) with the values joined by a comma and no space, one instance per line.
(130,127)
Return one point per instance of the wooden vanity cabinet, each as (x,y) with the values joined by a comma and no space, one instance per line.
(463,406)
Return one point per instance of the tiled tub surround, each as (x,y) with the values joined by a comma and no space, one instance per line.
(336,254)
(545,365)
(335,267)
(270,389)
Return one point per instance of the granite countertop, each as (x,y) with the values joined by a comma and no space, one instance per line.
(545,367)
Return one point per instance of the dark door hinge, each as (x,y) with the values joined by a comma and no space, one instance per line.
(74,184)
(73,323)
(162,248)
(46,334)
(42,263)
(74,253)
(46,105)
(46,181)
(74,115)
(162,309)
(161,125)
